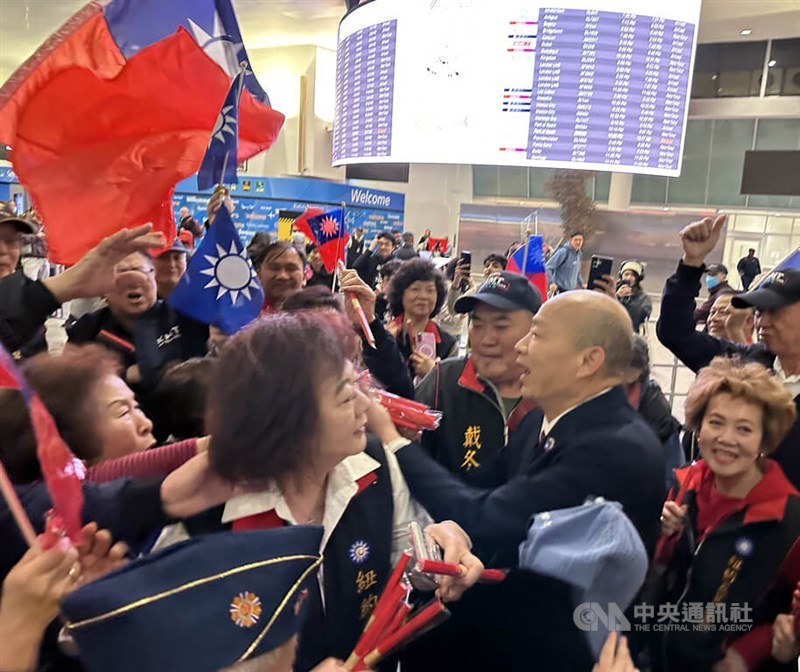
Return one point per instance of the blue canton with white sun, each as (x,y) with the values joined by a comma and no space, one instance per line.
(231,273)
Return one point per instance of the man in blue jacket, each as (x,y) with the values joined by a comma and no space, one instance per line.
(564,267)
(777,304)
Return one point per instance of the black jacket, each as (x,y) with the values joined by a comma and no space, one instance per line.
(754,540)
(385,362)
(676,330)
(355,248)
(367,266)
(24,307)
(473,419)
(405,252)
(639,307)
(602,448)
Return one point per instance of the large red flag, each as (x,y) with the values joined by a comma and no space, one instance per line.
(124,134)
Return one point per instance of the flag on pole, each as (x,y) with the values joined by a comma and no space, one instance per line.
(790,262)
(528,260)
(220,286)
(62,471)
(328,232)
(219,162)
(137,102)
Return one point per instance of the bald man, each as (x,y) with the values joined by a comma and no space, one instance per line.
(592,443)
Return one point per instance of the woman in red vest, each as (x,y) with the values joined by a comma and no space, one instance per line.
(730,521)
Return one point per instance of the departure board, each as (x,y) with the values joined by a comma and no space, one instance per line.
(592,84)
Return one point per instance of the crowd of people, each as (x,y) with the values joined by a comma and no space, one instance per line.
(212,461)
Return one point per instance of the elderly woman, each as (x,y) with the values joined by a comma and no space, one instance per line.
(95,412)
(416,295)
(288,422)
(731,518)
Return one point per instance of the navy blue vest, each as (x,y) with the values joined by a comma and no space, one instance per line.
(357,564)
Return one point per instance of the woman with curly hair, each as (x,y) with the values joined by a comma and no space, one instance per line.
(416,295)
(730,520)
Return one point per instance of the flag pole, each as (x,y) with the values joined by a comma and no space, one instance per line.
(338,252)
(525,256)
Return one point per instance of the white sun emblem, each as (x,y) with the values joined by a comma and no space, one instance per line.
(226,123)
(232,272)
(329,226)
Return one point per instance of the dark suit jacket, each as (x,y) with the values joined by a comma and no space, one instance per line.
(602,448)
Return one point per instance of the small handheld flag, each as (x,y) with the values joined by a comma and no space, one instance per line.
(219,162)
(62,471)
(220,286)
(528,260)
(328,232)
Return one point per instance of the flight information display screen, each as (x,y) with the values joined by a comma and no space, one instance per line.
(592,84)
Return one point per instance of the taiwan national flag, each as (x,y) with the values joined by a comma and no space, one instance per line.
(328,232)
(220,286)
(219,162)
(528,260)
(62,471)
(137,86)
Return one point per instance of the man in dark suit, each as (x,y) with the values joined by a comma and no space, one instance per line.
(592,443)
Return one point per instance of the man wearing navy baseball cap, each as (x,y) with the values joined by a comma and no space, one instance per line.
(226,601)
(777,304)
(484,432)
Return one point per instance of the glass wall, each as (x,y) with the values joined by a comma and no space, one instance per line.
(711,174)
(731,69)
(736,69)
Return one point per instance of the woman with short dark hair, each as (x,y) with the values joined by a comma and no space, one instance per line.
(416,295)
(731,518)
(288,422)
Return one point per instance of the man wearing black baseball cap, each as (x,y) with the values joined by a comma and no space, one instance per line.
(777,304)
(484,433)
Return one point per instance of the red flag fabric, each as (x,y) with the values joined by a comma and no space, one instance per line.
(301,223)
(124,135)
(62,471)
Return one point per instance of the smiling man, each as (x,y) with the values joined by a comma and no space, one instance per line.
(592,443)
(777,319)
(487,432)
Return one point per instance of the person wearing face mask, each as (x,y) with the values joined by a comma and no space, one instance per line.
(716,278)
(776,301)
(731,517)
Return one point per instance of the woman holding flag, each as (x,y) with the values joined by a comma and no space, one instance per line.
(731,519)
(288,421)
